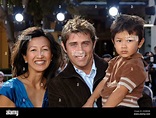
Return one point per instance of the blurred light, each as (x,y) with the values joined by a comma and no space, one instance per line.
(113,11)
(60,16)
(148,25)
(60,13)
(19,17)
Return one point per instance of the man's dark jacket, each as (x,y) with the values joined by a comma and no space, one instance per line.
(68,89)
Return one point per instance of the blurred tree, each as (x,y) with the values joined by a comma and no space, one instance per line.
(4,15)
(38,9)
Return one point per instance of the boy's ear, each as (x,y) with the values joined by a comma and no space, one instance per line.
(112,41)
(141,43)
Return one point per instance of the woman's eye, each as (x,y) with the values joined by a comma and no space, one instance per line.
(46,49)
(33,50)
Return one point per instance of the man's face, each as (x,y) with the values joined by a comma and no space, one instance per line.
(79,48)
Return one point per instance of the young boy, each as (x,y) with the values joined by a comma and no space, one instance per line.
(124,81)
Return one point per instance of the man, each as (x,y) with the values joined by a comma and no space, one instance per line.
(74,85)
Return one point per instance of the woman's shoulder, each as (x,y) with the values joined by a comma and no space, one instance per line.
(8,88)
(14,89)
(11,82)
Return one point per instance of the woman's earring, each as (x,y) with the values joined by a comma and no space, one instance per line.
(24,67)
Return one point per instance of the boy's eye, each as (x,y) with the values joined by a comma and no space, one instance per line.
(118,40)
(129,40)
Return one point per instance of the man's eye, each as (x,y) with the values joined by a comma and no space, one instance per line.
(86,43)
(72,44)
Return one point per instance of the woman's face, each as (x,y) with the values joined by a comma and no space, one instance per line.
(38,54)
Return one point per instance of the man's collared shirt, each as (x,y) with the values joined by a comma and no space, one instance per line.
(88,78)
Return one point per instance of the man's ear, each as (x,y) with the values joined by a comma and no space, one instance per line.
(62,44)
(94,43)
(141,43)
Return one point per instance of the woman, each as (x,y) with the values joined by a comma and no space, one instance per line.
(35,60)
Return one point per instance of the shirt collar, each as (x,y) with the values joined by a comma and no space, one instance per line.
(80,71)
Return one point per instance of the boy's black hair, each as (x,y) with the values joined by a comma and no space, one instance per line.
(130,23)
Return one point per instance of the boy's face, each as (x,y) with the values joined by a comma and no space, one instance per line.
(125,44)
